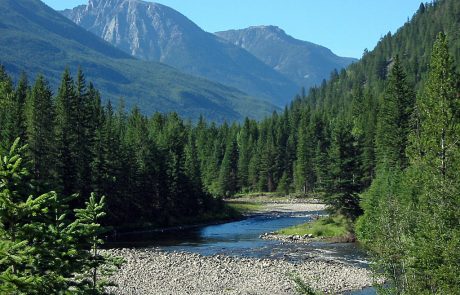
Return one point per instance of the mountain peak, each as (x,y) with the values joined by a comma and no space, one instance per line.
(304,62)
(267,28)
(155,32)
(94,3)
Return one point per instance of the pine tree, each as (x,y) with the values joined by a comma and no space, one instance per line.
(192,166)
(86,100)
(411,214)
(267,154)
(7,107)
(393,124)
(345,171)
(16,265)
(245,146)
(40,119)
(66,118)
(253,169)
(99,148)
(304,165)
(228,177)
(95,267)
(18,129)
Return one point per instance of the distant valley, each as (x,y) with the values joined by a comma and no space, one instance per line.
(36,39)
(152,56)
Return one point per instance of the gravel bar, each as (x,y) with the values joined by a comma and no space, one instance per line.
(151,271)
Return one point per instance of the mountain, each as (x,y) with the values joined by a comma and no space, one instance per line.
(155,32)
(303,62)
(36,39)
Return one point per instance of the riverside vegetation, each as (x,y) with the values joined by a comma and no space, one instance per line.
(336,227)
(379,140)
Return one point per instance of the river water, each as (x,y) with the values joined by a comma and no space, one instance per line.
(242,239)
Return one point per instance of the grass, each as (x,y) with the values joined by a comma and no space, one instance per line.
(336,226)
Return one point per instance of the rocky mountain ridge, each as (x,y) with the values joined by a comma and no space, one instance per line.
(304,62)
(155,32)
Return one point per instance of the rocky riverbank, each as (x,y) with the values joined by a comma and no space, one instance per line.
(151,271)
(289,238)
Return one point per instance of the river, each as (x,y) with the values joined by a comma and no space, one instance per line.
(242,239)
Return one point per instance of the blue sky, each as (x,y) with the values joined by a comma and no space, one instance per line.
(347,27)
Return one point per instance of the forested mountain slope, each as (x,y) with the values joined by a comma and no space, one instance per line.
(155,32)
(412,42)
(36,39)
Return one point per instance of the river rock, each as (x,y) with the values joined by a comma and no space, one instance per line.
(155,272)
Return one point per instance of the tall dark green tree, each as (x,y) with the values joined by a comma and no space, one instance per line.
(86,107)
(245,148)
(304,165)
(40,134)
(394,119)
(345,172)
(66,135)
(18,112)
(192,166)
(7,109)
(228,177)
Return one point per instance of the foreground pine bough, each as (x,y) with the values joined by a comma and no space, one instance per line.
(44,247)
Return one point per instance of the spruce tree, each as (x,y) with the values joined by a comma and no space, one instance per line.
(18,113)
(343,186)
(245,146)
(7,108)
(17,274)
(86,100)
(96,267)
(66,118)
(393,125)
(304,165)
(228,178)
(40,119)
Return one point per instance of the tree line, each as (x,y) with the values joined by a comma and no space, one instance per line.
(162,169)
(147,167)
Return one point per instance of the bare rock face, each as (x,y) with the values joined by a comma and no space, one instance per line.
(148,31)
(155,32)
(304,62)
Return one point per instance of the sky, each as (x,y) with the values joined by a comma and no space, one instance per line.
(347,27)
